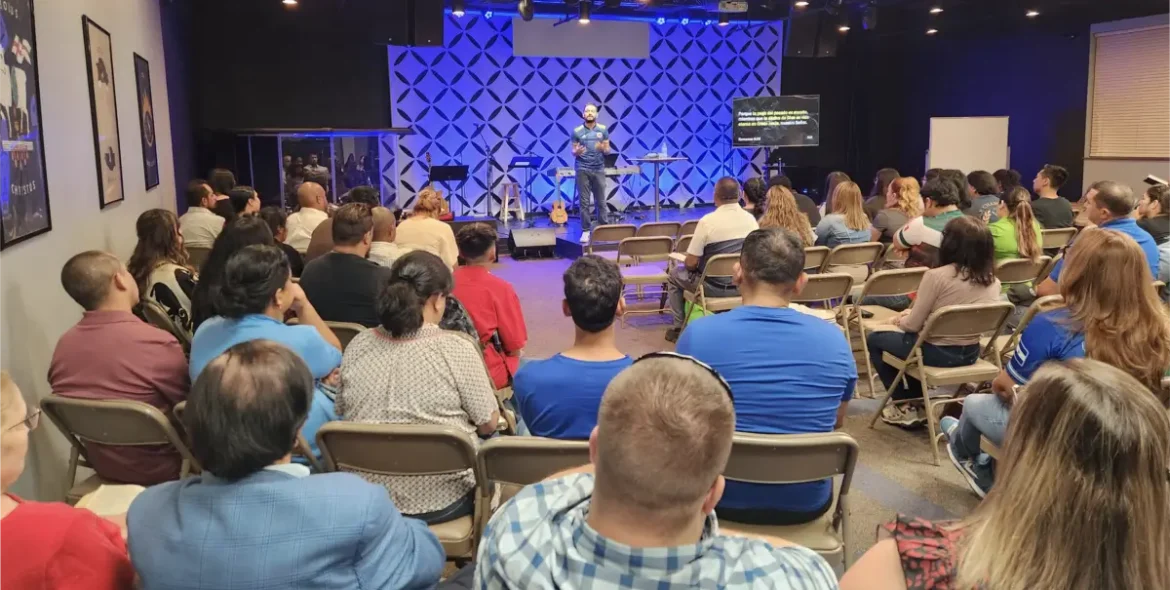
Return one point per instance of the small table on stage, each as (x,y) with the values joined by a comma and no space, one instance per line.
(658,162)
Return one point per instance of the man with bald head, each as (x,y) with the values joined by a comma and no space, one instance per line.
(111,354)
(311,198)
(719,232)
(641,515)
(383,250)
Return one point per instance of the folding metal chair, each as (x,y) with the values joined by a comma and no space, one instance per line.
(197,256)
(856,259)
(1005,344)
(718,266)
(825,289)
(1056,238)
(688,227)
(814,258)
(952,321)
(156,315)
(1020,270)
(508,463)
(345,331)
(669,229)
(885,283)
(642,257)
(609,236)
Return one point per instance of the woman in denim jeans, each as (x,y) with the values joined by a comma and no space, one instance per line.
(965,275)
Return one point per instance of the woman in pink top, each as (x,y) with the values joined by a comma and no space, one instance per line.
(49,544)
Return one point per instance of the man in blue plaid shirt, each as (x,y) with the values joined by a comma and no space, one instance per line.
(641,516)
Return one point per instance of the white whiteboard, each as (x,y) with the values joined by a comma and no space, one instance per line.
(969,143)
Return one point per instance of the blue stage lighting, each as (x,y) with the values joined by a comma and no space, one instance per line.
(685,21)
(488,14)
(661,21)
(707,22)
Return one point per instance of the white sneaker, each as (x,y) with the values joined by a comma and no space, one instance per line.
(584,238)
(903,416)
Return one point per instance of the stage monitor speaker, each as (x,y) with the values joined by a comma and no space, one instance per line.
(811,35)
(532,243)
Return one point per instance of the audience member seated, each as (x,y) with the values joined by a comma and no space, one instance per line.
(1108,313)
(112,355)
(383,250)
(410,371)
(423,230)
(983,193)
(342,284)
(1052,210)
(277,221)
(641,516)
(783,213)
(1109,205)
(790,372)
(321,242)
(921,237)
(491,302)
(846,222)
(1154,213)
(50,544)
(311,198)
(879,191)
(1006,179)
(965,275)
(719,232)
(1164,268)
(199,225)
(558,397)
(1083,505)
(803,202)
(222,181)
(254,519)
(959,181)
(245,200)
(1016,233)
(236,236)
(160,267)
(831,181)
(903,203)
(256,295)
(755,197)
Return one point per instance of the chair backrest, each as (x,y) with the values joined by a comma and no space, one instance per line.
(156,315)
(114,423)
(825,286)
(1057,238)
(688,227)
(523,460)
(197,256)
(720,265)
(1038,306)
(345,331)
(395,449)
(683,243)
(967,321)
(658,228)
(657,247)
(611,233)
(898,281)
(854,254)
(815,256)
(792,458)
(1020,270)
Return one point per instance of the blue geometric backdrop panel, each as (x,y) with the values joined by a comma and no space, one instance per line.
(472,102)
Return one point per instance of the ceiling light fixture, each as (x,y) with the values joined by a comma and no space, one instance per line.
(457,7)
(936,9)
(1032,13)
(289,2)
(843,29)
(800,3)
(724,20)
(931,31)
(585,10)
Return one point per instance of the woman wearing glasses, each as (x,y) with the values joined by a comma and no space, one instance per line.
(49,544)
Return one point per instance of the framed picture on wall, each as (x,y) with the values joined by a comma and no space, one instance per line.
(146,121)
(99,56)
(24,193)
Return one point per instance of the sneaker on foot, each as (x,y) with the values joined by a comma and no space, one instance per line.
(900,415)
(584,238)
(672,334)
(948,426)
(967,470)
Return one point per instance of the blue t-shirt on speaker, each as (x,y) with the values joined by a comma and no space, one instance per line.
(789,373)
(558,397)
(592,159)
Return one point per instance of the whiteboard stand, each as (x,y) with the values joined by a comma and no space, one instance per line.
(969,143)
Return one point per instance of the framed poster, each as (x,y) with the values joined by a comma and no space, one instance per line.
(99,55)
(24,193)
(146,121)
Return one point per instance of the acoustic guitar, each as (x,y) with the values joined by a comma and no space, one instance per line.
(445,210)
(557,214)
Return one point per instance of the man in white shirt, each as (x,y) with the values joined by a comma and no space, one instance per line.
(301,224)
(719,232)
(199,226)
(383,250)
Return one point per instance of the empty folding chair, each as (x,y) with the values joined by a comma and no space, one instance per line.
(829,289)
(508,463)
(688,227)
(669,229)
(640,260)
(608,236)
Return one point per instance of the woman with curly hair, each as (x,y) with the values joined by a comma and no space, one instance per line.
(160,265)
(783,213)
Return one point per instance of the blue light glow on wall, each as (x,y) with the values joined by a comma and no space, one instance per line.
(472,102)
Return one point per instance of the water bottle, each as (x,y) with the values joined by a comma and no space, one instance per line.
(664,152)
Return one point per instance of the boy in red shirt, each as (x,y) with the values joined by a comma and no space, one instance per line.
(491,302)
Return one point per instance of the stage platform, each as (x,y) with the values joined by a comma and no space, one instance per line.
(568,236)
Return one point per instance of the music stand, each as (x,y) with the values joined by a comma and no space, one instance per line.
(527,164)
(445,174)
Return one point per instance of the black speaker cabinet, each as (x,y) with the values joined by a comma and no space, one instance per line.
(426,22)
(811,35)
(532,243)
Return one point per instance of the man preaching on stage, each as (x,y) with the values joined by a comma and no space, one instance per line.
(590,144)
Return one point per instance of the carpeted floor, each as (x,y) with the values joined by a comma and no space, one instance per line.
(895,472)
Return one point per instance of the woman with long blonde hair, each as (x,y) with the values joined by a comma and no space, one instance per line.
(903,203)
(1016,232)
(1083,502)
(847,223)
(423,230)
(782,212)
(1110,313)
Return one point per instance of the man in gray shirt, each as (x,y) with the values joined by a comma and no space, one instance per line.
(981,186)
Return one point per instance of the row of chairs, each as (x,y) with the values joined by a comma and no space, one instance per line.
(501,465)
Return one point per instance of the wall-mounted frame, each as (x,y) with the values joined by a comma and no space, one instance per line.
(146,121)
(99,57)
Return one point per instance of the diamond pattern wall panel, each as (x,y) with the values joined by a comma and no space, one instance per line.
(472,102)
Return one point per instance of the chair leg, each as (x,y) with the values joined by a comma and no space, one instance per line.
(887,396)
(869,368)
(931,424)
